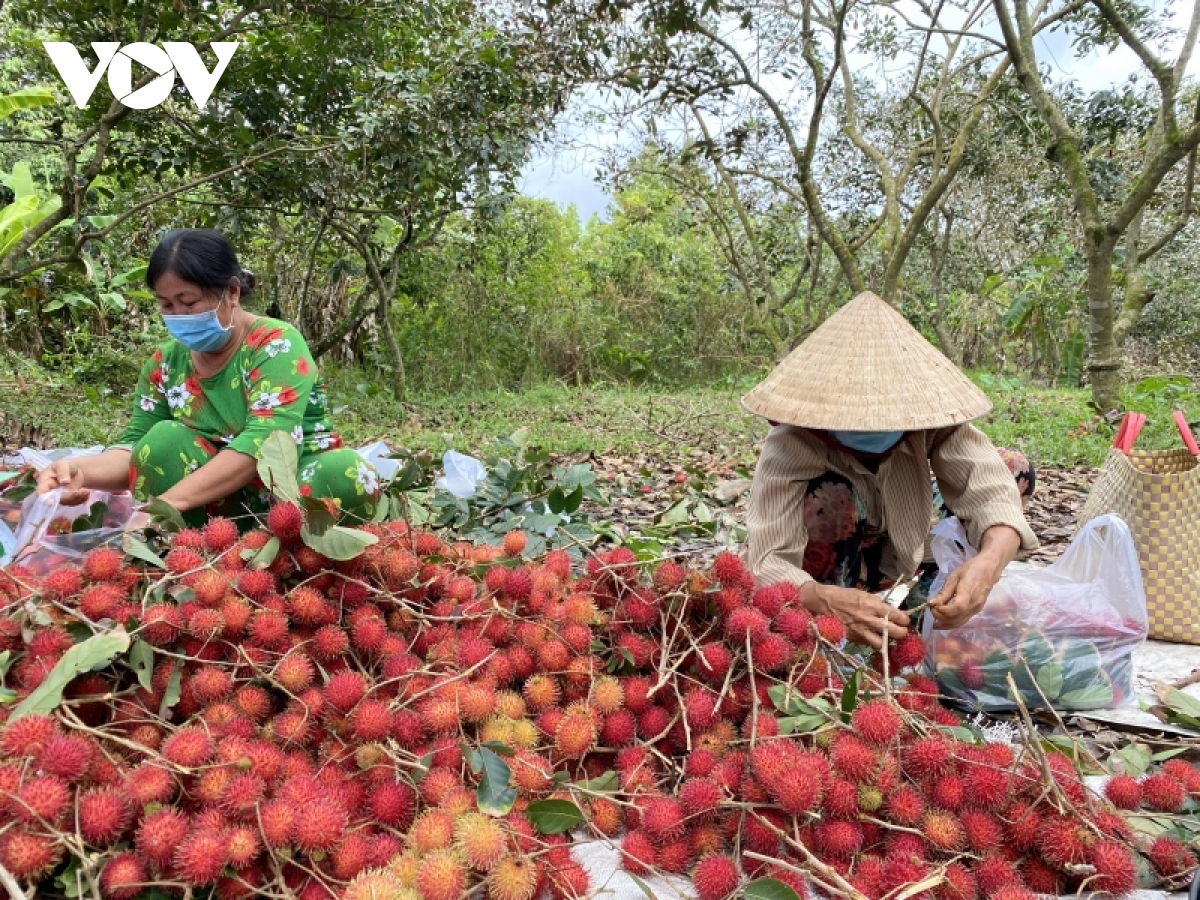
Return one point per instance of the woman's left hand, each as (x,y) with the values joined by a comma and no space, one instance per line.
(965,591)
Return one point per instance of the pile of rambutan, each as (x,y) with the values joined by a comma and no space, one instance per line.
(309,727)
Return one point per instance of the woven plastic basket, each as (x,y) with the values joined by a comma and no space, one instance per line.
(1157,493)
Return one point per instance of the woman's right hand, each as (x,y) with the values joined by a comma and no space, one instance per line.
(863,614)
(63,473)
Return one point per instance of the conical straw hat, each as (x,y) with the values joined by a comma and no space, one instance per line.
(866,369)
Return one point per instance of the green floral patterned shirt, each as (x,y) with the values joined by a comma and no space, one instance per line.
(270,384)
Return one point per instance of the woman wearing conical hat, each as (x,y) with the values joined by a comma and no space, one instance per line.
(842,501)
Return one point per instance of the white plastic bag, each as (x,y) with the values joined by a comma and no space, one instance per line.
(377,455)
(463,474)
(1065,632)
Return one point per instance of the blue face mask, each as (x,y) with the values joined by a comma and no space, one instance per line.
(200,331)
(868,441)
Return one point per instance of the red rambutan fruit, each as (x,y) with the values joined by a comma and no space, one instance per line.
(838,839)
(987,788)
(188,747)
(716,877)
(344,690)
(28,856)
(1021,825)
(929,757)
(831,629)
(63,582)
(123,877)
(993,873)
(149,783)
(329,642)
(441,876)
(43,798)
(219,534)
(728,569)
(103,816)
(944,832)
(102,564)
(905,806)
(202,855)
(319,825)
(1170,857)
(1116,869)
(1163,793)
(638,853)
(1063,841)
(983,831)
(876,722)
(27,735)
(284,520)
(68,756)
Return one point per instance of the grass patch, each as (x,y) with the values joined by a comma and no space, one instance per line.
(1053,426)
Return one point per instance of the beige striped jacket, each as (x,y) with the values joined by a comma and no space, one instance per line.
(974,482)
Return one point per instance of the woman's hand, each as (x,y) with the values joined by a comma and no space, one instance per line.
(967,587)
(63,473)
(864,614)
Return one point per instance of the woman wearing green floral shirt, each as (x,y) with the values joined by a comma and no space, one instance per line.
(208,398)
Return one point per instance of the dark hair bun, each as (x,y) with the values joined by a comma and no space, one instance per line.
(248,280)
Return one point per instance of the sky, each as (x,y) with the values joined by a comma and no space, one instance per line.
(565,171)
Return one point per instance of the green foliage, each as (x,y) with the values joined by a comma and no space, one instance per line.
(523,490)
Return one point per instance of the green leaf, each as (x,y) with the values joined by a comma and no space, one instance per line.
(1135,759)
(139,549)
(278,461)
(339,542)
(553,816)
(141,657)
(174,690)
(574,499)
(1161,756)
(161,509)
(801,724)
(6,660)
(265,555)
(1146,824)
(1176,700)
(769,889)
(676,515)
(607,783)
(850,696)
(27,98)
(1050,680)
(1094,696)
(494,797)
(94,653)
(556,501)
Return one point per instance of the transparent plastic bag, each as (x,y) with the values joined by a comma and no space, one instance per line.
(1065,633)
(46,536)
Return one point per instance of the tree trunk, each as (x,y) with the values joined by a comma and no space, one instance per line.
(1104,360)
(400,382)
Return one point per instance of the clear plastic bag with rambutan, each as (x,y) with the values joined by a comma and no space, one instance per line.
(1062,635)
